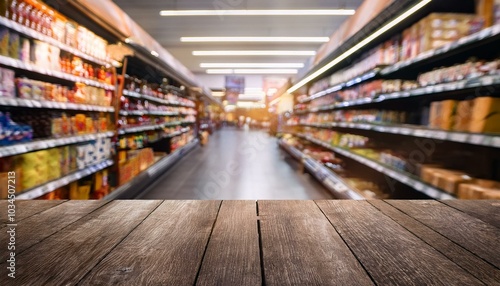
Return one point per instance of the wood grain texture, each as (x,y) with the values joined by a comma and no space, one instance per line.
(471,233)
(485,210)
(25,209)
(465,259)
(33,229)
(65,257)
(232,256)
(166,249)
(300,247)
(391,254)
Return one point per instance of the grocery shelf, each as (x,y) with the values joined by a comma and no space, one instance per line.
(148,176)
(31,103)
(479,139)
(483,81)
(482,36)
(347,84)
(22,148)
(152,98)
(400,176)
(329,179)
(18,64)
(146,112)
(63,181)
(44,38)
(150,127)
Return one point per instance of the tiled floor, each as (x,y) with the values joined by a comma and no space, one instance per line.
(237,165)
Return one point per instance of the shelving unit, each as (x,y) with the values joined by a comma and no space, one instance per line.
(329,179)
(47,77)
(457,72)
(400,176)
(164,64)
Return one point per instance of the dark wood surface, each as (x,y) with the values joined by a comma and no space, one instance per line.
(255,243)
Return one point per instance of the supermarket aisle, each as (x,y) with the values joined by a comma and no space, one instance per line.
(236,165)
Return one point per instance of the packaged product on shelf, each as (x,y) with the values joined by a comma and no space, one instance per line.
(53,163)
(64,160)
(7,83)
(3,8)
(442,114)
(12,133)
(449,181)
(464,114)
(14,45)
(79,192)
(496,12)
(409,43)
(485,115)
(25,53)
(486,10)
(70,38)
(439,29)
(4,41)
(34,168)
(479,189)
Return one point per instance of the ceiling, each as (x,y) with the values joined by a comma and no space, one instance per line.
(168,30)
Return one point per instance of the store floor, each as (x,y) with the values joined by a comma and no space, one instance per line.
(237,165)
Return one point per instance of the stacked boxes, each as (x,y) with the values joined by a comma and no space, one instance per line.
(485,115)
(481,115)
(442,114)
(135,162)
(460,184)
(437,30)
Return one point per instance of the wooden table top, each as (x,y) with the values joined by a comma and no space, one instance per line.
(254,243)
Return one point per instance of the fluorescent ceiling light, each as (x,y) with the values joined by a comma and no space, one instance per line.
(254,53)
(265,71)
(257,39)
(251,71)
(252,65)
(219,71)
(319,12)
(360,45)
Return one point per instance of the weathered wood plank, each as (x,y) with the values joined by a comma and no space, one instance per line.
(232,256)
(25,209)
(391,254)
(65,257)
(465,259)
(34,229)
(485,210)
(166,249)
(300,247)
(469,232)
